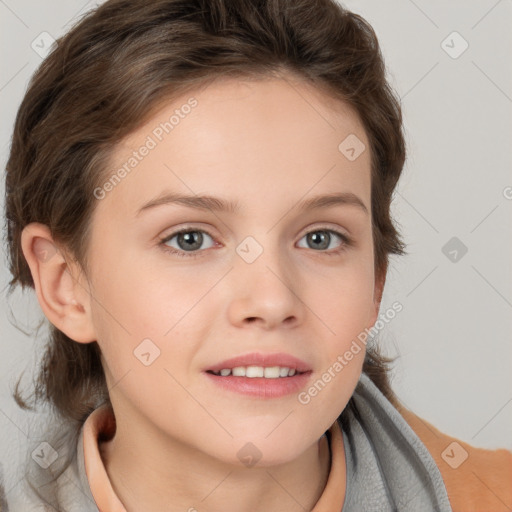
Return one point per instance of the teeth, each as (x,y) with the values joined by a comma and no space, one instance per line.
(238,371)
(270,372)
(283,372)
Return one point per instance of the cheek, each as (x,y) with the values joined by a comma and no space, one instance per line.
(147,321)
(139,299)
(344,300)
(345,305)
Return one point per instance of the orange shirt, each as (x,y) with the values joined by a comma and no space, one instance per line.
(477,479)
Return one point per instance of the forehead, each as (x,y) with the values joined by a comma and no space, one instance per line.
(238,135)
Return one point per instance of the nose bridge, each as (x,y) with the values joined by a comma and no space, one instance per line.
(262,255)
(265,286)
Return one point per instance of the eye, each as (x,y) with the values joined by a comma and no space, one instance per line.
(322,238)
(187,241)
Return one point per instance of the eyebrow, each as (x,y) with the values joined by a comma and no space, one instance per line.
(233,207)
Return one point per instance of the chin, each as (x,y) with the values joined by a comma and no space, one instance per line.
(256,451)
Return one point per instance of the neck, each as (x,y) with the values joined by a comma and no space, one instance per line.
(169,476)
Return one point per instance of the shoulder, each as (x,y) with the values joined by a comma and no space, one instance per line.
(476,479)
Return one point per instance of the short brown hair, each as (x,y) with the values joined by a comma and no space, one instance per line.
(112,70)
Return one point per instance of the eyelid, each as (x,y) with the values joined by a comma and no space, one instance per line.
(327,226)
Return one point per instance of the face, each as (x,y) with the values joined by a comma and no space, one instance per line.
(269,277)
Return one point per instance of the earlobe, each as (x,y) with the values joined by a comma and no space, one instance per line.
(65,301)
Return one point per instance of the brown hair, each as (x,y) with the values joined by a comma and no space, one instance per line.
(114,68)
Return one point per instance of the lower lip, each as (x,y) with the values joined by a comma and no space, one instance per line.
(260,387)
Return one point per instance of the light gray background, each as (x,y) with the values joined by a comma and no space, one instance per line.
(454,333)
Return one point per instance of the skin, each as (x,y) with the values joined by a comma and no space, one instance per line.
(267,144)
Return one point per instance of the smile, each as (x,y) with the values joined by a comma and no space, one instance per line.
(270,372)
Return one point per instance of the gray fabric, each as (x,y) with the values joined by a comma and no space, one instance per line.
(70,492)
(388,467)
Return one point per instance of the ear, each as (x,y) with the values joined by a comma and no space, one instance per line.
(61,289)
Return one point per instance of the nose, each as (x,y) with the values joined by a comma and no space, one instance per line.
(264,292)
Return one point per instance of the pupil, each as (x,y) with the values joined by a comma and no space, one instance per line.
(190,239)
(318,237)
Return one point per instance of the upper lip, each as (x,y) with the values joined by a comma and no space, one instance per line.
(259,359)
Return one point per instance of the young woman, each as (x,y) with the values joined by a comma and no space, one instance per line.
(199,193)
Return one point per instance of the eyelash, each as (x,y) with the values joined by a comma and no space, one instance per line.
(347,242)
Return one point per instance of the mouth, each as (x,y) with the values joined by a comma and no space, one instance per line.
(254,372)
(261,375)
(251,365)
